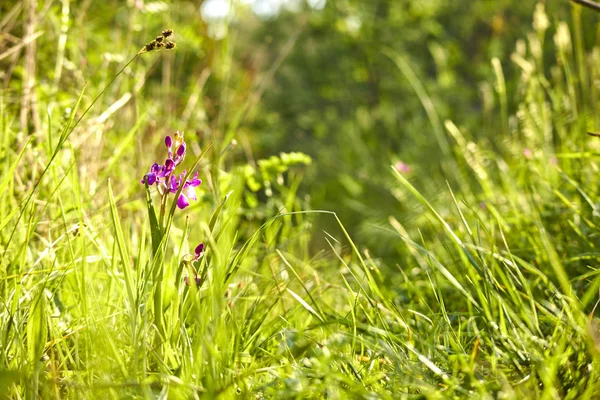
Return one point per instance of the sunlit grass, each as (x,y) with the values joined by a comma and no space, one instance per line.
(491,295)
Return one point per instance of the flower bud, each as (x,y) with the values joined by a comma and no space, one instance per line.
(181,150)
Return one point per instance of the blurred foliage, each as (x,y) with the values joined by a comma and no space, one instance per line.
(341,99)
(316,81)
(319,81)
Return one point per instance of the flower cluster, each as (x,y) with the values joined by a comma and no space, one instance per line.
(165,178)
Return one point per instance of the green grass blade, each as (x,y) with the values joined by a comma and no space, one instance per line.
(122,247)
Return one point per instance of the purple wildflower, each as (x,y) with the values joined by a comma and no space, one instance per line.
(158,173)
(151,177)
(164,177)
(188,192)
(402,167)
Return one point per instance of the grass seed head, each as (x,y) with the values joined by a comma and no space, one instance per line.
(159,42)
(151,46)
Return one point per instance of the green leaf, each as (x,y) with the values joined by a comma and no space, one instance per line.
(215,216)
(121,245)
(37,328)
(155,229)
(305,304)
(9,175)
(7,379)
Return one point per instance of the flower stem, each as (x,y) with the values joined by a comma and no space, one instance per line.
(163,207)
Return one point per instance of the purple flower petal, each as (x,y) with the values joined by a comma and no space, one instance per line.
(199,250)
(168,168)
(194,181)
(173,186)
(181,150)
(190,193)
(152,176)
(169,144)
(182,202)
(151,179)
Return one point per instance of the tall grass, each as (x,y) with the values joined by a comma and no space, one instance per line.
(492,294)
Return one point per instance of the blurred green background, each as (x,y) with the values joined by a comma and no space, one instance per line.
(337,80)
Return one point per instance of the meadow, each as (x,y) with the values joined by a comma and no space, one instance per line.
(320,199)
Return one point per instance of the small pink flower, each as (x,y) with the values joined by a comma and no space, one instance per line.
(527,153)
(403,167)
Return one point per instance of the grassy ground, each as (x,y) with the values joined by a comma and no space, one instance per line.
(492,295)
